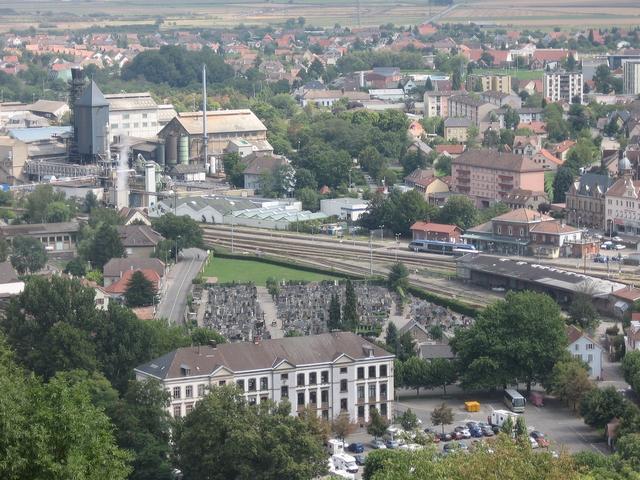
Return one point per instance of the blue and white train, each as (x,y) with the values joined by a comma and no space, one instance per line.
(444,248)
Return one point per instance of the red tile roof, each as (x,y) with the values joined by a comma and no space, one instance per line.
(451,149)
(120,287)
(628,293)
(435,227)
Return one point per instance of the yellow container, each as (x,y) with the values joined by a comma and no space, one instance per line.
(472,406)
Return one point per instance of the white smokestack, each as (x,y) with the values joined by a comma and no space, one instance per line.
(150,183)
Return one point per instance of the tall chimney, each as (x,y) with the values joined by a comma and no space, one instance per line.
(205,138)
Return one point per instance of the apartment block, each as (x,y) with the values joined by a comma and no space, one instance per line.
(631,77)
(563,86)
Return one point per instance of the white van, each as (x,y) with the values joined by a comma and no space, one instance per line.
(335,446)
(344,461)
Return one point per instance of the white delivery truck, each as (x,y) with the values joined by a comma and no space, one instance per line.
(335,446)
(344,461)
(498,417)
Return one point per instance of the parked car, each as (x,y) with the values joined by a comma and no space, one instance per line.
(356,447)
(599,259)
(487,431)
(534,443)
(539,438)
(445,437)
(471,425)
(377,443)
(620,247)
(476,432)
(391,443)
(360,459)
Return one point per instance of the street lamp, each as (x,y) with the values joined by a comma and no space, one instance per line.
(177,238)
(381,227)
(397,245)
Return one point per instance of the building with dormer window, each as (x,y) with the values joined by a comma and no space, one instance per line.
(331,373)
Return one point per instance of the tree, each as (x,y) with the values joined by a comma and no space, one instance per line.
(521,429)
(406,347)
(518,339)
(511,118)
(106,245)
(459,210)
(140,291)
(377,424)
(225,437)
(52,430)
(599,406)
(76,267)
(309,197)
(341,426)
(415,373)
(507,427)
(206,336)
(90,202)
(570,381)
(582,312)
(335,321)
(182,229)
(391,338)
(38,203)
(561,183)
(628,447)
(408,420)
(472,136)
(442,372)
(28,255)
(442,415)
(349,310)
(443,165)
(631,369)
(398,279)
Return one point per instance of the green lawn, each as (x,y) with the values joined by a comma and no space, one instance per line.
(243,271)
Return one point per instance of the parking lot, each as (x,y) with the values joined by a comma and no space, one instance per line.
(565,430)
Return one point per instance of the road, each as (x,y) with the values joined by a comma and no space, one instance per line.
(444,13)
(178,281)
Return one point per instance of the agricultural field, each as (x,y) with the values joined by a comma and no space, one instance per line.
(228,270)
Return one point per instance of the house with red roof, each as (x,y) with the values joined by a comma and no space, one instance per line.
(427,29)
(118,289)
(436,231)
(585,348)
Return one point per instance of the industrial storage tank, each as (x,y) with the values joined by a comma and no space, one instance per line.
(91,117)
(171,150)
(183,150)
(160,154)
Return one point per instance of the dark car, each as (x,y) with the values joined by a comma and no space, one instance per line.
(356,447)
(539,437)
(495,429)
(444,437)
(487,432)
(476,432)
(360,459)
(391,444)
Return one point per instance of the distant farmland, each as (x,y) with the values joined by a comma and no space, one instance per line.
(545,14)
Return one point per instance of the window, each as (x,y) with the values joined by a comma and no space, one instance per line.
(145,124)
(284,392)
(576,347)
(114,125)
(264,398)
(383,370)
(125,125)
(301,379)
(372,371)
(589,346)
(188,391)
(383,409)
(343,370)
(313,397)
(144,115)
(240,384)
(383,390)
(177,411)
(360,373)
(509,230)
(313,378)
(176,392)
(534,237)
(343,404)
(343,386)
(284,377)
(252,384)
(188,408)
(252,400)
(324,377)
(521,231)
(300,398)
(589,358)
(264,383)
(125,116)
(201,390)
(222,383)
(324,396)
(372,392)
(361,411)
(499,230)
(361,392)
(325,414)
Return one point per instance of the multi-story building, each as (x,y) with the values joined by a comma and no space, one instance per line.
(631,77)
(585,200)
(622,203)
(501,99)
(498,83)
(132,115)
(486,176)
(456,129)
(436,103)
(331,373)
(586,349)
(563,86)
(471,107)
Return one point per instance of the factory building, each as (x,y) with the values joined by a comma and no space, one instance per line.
(132,115)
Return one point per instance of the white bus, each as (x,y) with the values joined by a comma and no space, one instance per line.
(514,400)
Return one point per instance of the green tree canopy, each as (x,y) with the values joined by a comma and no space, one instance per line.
(442,415)
(140,291)
(104,246)
(518,339)
(28,255)
(224,437)
(600,406)
(398,279)
(570,381)
(181,228)
(459,210)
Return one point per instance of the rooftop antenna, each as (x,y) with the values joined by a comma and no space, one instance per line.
(205,139)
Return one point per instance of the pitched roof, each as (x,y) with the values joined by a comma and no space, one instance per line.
(92,97)
(549,156)
(435,227)
(120,286)
(131,101)
(574,334)
(259,164)
(221,121)
(457,122)
(553,228)
(628,293)
(138,236)
(494,159)
(522,215)
(8,273)
(116,266)
(38,229)
(420,174)
(453,149)
(620,186)
(245,356)
(563,146)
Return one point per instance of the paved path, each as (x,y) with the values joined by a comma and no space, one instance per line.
(174,301)
(270,313)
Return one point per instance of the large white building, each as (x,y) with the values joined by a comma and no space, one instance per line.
(631,77)
(563,86)
(331,373)
(132,115)
(622,203)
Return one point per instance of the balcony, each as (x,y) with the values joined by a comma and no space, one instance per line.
(465,180)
